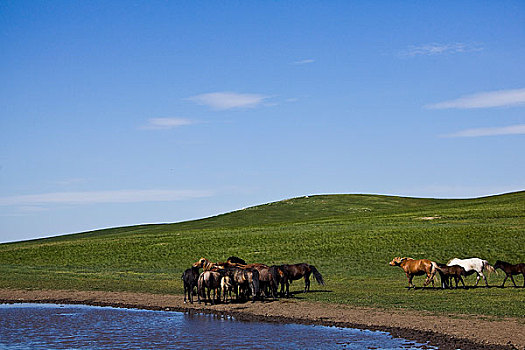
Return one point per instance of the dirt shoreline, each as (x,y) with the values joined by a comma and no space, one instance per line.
(446,332)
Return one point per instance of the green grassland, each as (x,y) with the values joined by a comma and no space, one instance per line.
(349,238)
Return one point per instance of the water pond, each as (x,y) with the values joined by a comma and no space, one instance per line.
(51,326)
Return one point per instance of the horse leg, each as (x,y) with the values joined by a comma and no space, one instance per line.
(306,283)
(185,293)
(410,284)
(485,279)
(477,279)
(428,279)
(426,282)
(236,293)
(252,288)
(512,279)
(504,280)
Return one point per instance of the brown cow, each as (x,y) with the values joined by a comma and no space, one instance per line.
(416,268)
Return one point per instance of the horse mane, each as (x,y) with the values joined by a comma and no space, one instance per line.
(236,260)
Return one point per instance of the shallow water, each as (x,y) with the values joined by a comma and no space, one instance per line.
(50,326)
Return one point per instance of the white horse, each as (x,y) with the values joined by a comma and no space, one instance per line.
(472,265)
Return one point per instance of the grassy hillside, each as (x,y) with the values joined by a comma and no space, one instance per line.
(349,238)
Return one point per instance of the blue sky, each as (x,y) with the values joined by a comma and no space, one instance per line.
(122,113)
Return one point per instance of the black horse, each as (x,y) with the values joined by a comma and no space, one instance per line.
(510,270)
(190,277)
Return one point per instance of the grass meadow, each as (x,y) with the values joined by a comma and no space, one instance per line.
(349,238)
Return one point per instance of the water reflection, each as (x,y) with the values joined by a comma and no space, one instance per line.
(45,326)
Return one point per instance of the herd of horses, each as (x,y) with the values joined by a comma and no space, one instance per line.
(245,280)
(263,281)
(455,270)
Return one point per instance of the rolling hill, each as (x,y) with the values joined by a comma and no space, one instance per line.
(349,238)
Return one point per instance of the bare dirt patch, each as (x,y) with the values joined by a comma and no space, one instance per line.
(446,332)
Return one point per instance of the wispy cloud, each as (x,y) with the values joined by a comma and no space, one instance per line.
(69,182)
(497,131)
(228,100)
(166,123)
(500,98)
(433,49)
(119,196)
(304,61)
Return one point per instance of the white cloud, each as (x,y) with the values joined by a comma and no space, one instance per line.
(228,100)
(433,49)
(166,123)
(499,98)
(119,196)
(69,182)
(497,131)
(304,61)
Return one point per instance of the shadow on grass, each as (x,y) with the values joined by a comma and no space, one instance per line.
(458,288)
(297,294)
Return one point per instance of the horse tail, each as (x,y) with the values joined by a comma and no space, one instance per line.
(275,275)
(441,274)
(433,269)
(317,275)
(200,286)
(255,281)
(486,266)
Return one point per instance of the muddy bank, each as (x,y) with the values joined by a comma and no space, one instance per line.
(454,332)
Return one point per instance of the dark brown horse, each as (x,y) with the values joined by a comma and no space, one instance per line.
(298,271)
(510,270)
(266,281)
(447,273)
(279,278)
(190,279)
